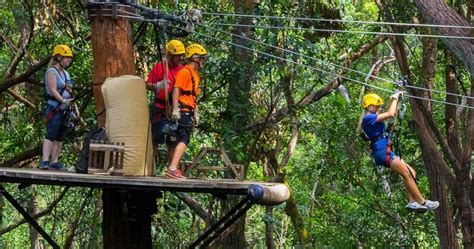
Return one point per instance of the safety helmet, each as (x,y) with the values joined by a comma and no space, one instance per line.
(62,50)
(175,47)
(195,49)
(372,99)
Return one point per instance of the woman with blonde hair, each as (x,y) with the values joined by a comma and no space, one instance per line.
(58,86)
(374,128)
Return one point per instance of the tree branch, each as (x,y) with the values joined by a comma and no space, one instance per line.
(195,207)
(25,75)
(18,97)
(38,215)
(22,157)
(314,96)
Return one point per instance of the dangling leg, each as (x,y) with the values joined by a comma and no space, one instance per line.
(412,173)
(403,169)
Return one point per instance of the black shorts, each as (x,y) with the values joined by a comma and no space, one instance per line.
(156,123)
(184,131)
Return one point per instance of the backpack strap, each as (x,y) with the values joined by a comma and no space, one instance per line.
(61,92)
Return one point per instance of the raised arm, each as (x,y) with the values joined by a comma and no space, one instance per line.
(392,109)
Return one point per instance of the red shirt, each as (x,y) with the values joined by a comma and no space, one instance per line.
(156,75)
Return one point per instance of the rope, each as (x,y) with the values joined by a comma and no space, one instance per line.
(322,61)
(340,21)
(323,71)
(343,31)
(333,64)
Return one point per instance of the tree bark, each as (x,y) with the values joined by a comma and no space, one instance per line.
(269,241)
(112,55)
(438,12)
(430,138)
(238,105)
(33,210)
(126,217)
(238,102)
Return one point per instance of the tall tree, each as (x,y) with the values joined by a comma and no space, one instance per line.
(238,101)
(450,167)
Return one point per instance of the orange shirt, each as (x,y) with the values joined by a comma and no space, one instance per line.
(185,83)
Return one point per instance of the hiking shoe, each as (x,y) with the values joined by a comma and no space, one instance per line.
(431,205)
(175,174)
(57,166)
(416,207)
(44,165)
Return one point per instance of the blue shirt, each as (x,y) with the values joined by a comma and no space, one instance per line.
(374,131)
(62,80)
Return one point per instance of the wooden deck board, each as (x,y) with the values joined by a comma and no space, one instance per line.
(158,183)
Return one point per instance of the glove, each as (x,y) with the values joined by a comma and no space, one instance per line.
(396,95)
(160,84)
(175,115)
(67,102)
(196,119)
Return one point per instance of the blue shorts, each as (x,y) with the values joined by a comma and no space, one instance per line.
(380,157)
(55,130)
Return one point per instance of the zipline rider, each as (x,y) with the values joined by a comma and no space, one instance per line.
(157,82)
(374,128)
(59,98)
(185,106)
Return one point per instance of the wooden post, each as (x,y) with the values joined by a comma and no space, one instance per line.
(127,215)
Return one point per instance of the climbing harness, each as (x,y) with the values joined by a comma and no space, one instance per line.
(192,93)
(168,127)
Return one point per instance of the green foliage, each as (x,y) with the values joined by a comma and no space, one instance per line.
(336,188)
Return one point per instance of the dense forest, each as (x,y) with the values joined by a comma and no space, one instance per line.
(281,92)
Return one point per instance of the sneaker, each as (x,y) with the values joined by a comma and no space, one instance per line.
(431,205)
(416,207)
(57,166)
(44,165)
(175,174)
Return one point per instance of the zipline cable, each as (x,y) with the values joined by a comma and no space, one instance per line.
(322,61)
(293,62)
(333,64)
(340,20)
(323,71)
(342,31)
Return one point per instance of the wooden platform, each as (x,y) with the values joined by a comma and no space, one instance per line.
(158,183)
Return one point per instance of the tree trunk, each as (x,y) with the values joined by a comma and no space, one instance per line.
(112,54)
(238,105)
(438,12)
(269,241)
(439,163)
(238,101)
(127,217)
(33,209)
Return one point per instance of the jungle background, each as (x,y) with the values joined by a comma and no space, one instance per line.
(288,117)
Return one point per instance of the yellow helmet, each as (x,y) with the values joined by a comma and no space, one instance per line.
(62,50)
(372,99)
(175,47)
(195,49)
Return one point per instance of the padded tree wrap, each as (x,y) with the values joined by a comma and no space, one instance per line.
(269,195)
(127,121)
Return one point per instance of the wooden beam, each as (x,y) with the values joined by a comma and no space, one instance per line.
(158,183)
